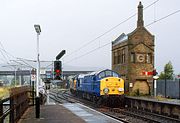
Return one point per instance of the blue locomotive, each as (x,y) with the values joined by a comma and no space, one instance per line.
(101,86)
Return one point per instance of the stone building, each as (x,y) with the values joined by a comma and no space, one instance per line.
(133,57)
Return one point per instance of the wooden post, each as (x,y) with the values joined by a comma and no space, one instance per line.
(12,110)
(1,111)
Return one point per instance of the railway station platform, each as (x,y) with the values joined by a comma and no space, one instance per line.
(50,114)
(66,113)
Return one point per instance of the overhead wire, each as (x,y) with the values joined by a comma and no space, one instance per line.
(1,50)
(155,21)
(7,53)
(91,41)
(89,52)
(103,35)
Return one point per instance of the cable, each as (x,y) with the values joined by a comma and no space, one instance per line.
(30,60)
(177,11)
(151,4)
(91,41)
(6,60)
(25,63)
(88,52)
(49,64)
(101,35)
(7,53)
(162,18)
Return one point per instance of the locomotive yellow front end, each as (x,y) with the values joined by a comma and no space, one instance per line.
(72,86)
(112,86)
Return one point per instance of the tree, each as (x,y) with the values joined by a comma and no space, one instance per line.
(162,75)
(168,72)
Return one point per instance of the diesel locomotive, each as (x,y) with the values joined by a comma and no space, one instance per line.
(103,86)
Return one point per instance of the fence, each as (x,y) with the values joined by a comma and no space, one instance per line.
(12,108)
(168,88)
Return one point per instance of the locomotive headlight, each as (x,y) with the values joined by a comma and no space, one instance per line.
(120,89)
(106,90)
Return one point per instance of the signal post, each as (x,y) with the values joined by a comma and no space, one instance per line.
(58,68)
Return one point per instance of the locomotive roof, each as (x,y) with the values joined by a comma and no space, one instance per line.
(97,72)
(81,75)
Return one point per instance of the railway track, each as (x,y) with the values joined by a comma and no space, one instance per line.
(152,116)
(59,97)
(126,115)
(134,115)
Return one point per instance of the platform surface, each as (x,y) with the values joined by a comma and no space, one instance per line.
(66,113)
(88,114)
(50,114)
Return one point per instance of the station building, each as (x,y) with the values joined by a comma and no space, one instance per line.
(133,57)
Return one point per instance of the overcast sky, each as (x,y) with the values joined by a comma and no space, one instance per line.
(70,24)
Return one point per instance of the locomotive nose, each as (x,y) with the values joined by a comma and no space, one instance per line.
(112,86)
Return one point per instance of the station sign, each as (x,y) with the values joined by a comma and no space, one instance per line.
(48,75)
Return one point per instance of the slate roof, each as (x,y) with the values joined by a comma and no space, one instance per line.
(123,37)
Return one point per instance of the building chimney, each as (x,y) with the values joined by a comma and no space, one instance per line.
(140,22)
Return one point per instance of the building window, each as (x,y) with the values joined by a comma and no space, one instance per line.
(115,58)
(149,58)
(132,57)
(119,56)
(114,62)
(123,56)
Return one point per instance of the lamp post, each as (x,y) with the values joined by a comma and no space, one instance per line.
(38,30)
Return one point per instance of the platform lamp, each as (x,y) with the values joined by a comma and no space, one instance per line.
(38,30)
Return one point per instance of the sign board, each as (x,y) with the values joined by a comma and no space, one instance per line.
(130,85)
(33,77)
(48,75)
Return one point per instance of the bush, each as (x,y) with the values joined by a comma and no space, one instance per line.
(137,93)
(4,92)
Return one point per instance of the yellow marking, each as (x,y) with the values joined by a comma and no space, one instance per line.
(113,84)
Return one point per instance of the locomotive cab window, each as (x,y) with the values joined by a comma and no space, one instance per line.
(115,74)
(108,73)
(101,75)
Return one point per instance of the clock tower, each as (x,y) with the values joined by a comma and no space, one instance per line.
(132,55)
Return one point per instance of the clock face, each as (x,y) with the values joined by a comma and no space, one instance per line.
(140,57)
